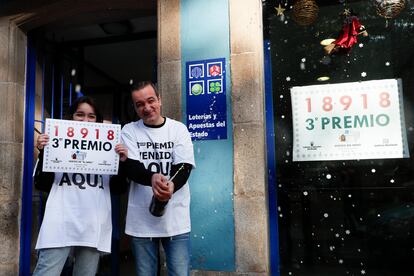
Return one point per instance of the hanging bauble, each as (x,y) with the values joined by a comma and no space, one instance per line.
(389,8)
(305,12)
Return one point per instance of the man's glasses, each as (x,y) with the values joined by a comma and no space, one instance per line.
(81,115)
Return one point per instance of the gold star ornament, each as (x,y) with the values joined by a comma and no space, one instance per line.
(279,10)
(347,12)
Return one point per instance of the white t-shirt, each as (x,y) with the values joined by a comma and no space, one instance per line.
(78,213)
(158,148)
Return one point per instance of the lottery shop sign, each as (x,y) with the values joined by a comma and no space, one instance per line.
(357,120)
(206,99)
(81,147)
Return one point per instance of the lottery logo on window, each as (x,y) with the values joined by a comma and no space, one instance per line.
(206,99)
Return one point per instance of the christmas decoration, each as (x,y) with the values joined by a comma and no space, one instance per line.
(348,35)
(389,8)
(305,12)
(280,10)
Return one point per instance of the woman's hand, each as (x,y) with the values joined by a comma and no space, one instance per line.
(42,141)
(122,150)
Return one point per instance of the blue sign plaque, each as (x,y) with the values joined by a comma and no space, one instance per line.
(206,99)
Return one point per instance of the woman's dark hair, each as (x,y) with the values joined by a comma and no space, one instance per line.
(88,100)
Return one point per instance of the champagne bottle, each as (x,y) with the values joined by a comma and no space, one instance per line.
(157,207)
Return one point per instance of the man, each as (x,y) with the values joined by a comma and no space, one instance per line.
(160,161)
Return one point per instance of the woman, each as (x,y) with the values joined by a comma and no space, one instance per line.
(77,217)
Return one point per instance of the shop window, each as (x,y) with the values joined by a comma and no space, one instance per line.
(350,214)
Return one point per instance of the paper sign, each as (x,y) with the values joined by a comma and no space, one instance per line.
(357,120)
(81,147)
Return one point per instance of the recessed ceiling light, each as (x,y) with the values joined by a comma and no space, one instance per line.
(323,78)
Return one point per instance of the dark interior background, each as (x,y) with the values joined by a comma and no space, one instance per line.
(96,51)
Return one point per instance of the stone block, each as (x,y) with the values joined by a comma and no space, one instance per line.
(249,177)
(20,43)
(169,85)
(11,170)
(169,48)
(19,113)
(9,269)
(16,188)
(247,88)
(250,207)
(246,34)
(251,231)
(9,232)
(12,111)
(4,50)
(16,55)
(13,43)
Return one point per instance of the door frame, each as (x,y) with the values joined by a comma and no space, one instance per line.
(271,163)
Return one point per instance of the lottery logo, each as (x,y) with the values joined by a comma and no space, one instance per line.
(196,89)
(215,87)
(56,160)
(215,70)
(196,72)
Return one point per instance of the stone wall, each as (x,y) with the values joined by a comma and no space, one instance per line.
(250,192)
(246,61)
(12,78)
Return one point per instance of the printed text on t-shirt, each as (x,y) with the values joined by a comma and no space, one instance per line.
(78,179)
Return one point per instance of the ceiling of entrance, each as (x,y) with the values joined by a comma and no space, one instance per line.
(55,16)
(113,35)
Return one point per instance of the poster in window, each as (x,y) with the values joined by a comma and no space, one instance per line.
(345,121)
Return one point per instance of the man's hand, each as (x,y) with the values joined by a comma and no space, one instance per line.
(122,150)
(42,141)
(171,187)
(161,187)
